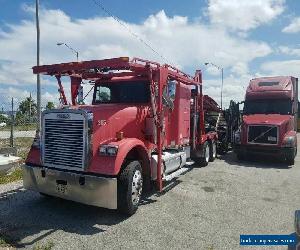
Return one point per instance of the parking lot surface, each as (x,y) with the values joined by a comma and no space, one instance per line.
(207,208)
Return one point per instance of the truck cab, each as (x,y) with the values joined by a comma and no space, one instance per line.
(269,119)
(144,122)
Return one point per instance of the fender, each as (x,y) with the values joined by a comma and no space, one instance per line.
(111,165)
(125,146)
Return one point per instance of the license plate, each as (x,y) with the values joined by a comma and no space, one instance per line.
(61,188)
(271,138)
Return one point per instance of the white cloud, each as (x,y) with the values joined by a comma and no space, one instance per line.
(188,44)
(244,14)
(289,51)
(293,27)
(288,67)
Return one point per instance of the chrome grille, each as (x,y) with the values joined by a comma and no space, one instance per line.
(64,140)
(263,134)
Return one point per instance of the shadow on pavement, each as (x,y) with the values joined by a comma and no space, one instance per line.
(254,161)
(24,213)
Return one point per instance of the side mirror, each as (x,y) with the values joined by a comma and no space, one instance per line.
(80,95)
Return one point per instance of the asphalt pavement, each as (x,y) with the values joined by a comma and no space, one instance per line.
(207,208)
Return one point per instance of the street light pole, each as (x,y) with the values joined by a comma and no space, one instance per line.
(69,47)
(222,72)
(222,79)
(38,79)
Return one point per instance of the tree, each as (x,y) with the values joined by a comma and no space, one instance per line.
(4,118)
(28,107)
(26,112)
(50,105)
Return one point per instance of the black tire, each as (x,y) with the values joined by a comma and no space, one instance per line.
(127,203)
(223,149)
(203,161)
(290,158)
(212,150)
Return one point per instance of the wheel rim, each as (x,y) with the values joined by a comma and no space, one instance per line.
(206,154)
(214,150)
(137,186)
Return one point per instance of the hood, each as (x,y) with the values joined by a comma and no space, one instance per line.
(111,118)
(271,119)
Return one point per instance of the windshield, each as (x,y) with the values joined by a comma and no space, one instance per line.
(122,92)
(283,107)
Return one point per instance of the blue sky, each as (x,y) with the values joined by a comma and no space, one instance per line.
(247,38)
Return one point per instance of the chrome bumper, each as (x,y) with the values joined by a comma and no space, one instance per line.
(90,190)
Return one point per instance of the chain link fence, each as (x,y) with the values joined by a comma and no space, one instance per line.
(18,124)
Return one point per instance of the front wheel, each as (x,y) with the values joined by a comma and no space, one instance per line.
(290,158)
(130,187)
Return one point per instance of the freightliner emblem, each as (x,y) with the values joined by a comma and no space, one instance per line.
(63,116)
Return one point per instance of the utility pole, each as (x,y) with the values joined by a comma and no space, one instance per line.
(222,79)
(12,123)
(222,72)
(30,108)
(38,79)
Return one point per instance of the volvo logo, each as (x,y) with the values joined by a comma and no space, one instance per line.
(63,116)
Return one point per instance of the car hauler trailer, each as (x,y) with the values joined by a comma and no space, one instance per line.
(145,121)
(269,121)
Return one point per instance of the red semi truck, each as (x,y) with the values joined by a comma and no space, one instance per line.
(144,122)
(269,121)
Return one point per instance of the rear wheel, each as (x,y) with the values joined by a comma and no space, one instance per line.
(212,150)
(130,186)
(203,161)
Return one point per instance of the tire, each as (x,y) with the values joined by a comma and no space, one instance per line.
(212,151)
(290,158)
(130,187)
(223,148)
(203,161)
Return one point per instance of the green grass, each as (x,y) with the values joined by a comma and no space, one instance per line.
(24,127)
(48,246)
(11,177)
(5,242)
(22,144)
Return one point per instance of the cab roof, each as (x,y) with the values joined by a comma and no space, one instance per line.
(270,87)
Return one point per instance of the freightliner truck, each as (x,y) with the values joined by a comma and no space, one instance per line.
(145,121)
(269,119)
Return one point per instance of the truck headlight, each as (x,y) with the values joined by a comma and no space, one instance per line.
(289,141)
(90,117)
(109,150)
(237,137)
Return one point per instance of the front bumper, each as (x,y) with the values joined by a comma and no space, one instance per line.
(280,152)
(87,189)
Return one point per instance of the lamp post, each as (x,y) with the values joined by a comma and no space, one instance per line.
(69,47)
(38,79)
(222,78)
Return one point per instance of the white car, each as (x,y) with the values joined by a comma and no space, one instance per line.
(2,124)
